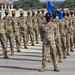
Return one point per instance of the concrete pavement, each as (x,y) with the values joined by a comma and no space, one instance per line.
(29,62)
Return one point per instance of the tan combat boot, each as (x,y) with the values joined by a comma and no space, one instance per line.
(5,55)
(33,44)
(25,47)
(60,58)
(2,54)
(43,68)
(49,59)
(12,52)
(18,50)
(37,42)
(56,68)
(68,52)
(65,55)
(72,49)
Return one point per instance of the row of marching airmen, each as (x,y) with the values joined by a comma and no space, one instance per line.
(57,35)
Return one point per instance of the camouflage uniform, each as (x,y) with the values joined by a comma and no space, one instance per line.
(23,29)
(43,17)
(58,39)
(3,37)
(9,31)
(73,22)
(48,31)
(66,20)
(39,24)
(72,30)
(43,21)
(30,27)
(35,25)
(62,27)
(16,28)
(46,47)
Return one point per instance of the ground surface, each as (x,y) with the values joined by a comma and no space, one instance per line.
(29,62)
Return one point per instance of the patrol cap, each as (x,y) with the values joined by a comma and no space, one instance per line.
(13,11)
(21,11)
(33,11)
(43,10)
(29,11)
(65,11)
(6,10)
(68,12)
(72,11)
(38,10)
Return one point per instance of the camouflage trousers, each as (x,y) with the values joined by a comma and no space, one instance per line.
(10,37)
(36,31)
(58,46)
(47,51)
(3,42)
(31,33)
(68,42)
(25,38)
(20,38)
(52,47)
(41,32)
(64,46)
(72,41)
(74,38)
(17,40)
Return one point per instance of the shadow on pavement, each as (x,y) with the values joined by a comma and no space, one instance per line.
(25,59)
(29,55)
(15,67)
(32,52)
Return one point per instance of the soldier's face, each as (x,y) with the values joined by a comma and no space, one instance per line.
(28,14)
(71,13)
(13,14)
(21,14)
(38,12)
(6,13)
(33,13)
(42,12)
(67,14)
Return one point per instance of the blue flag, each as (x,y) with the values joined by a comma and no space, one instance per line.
(48,7)
(60,14)
(51,9)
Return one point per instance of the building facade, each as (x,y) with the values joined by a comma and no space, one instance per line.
(4,4)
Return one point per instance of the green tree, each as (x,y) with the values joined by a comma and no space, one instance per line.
(28,4)
(69,3)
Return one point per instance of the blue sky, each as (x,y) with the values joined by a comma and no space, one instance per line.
(51,0)
(46,0)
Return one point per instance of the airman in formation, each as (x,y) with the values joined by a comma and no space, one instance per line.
(57,35)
